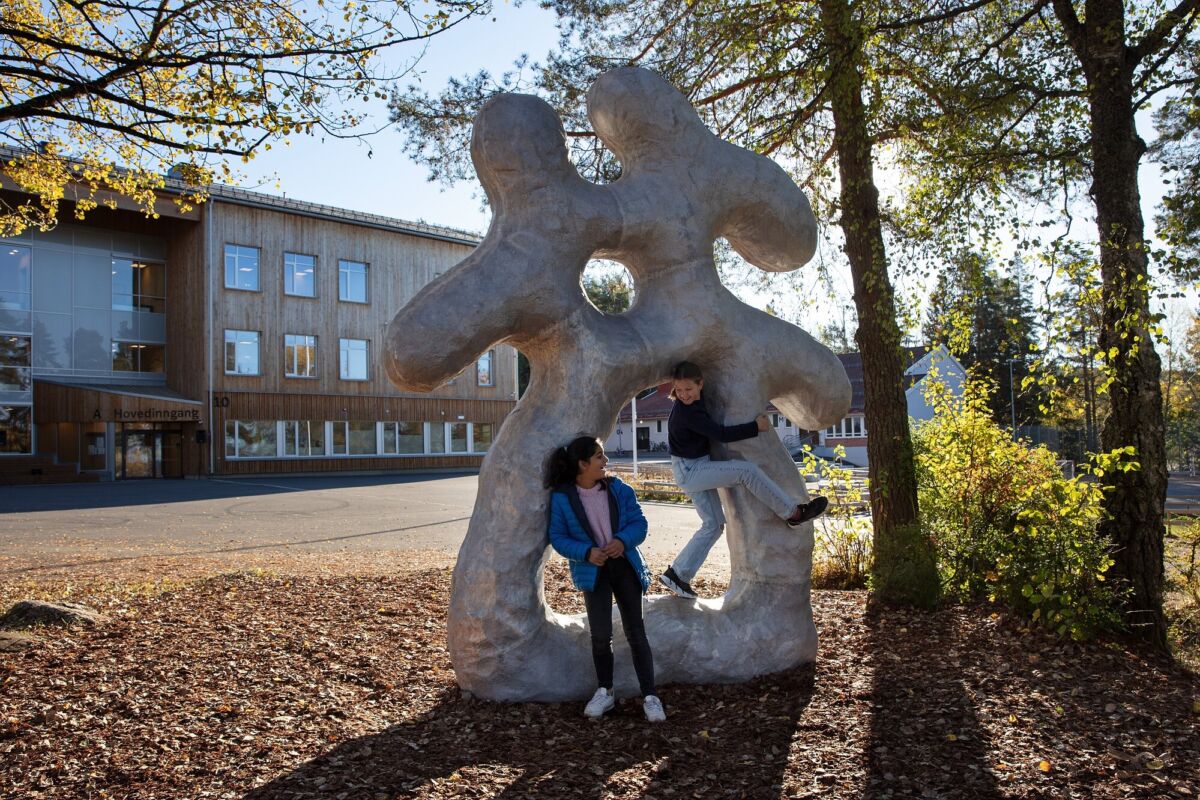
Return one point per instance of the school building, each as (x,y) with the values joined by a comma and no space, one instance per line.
(241,337)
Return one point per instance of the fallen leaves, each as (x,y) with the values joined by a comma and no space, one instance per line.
(262,687)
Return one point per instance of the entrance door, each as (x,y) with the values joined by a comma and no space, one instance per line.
(172,454)
(150,454)
(140,454)
(643,439)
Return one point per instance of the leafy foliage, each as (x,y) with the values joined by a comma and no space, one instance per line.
(986,320)
(110,94)
(610,293)
(1008,527)
(842,554)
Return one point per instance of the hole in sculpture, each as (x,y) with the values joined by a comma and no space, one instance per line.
(642,423)
(608,285)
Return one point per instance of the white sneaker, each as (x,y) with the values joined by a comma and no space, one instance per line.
(602,702)
(653,708)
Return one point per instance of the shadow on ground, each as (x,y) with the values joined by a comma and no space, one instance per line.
(499,750)
(926,738)
(85,496)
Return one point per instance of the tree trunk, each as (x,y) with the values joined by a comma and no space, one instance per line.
(889,445)
(1136,499)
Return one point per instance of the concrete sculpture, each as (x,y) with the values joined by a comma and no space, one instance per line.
(681,188)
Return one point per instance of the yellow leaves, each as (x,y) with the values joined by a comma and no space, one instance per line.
(1196,706)
(1045,767)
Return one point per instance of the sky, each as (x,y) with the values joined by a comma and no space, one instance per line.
(340,173)
(376,177)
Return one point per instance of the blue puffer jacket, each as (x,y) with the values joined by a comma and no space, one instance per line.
(571,535)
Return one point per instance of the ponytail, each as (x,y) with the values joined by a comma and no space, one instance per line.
(563,463)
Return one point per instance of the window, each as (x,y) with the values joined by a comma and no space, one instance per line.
(135,357)
(659,424)
(15,291)
(241,352)
(403,437)
(354,353)
(241,267)
(250,439)
(303,437)
(338,440)
(362,438)
(299,275)
(437,437)
(352,281)
(483,437)
(14,429)
(14,364)
(299,356)
(483,369)
(458,437)
(137,286)
(775,420)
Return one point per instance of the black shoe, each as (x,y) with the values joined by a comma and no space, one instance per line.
(676,584)
(810,510)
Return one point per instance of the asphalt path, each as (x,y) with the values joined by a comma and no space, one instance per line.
(86,527)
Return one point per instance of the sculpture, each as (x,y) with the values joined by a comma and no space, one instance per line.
(681,187)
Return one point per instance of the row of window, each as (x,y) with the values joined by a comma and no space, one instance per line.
(299,274)
(326,439)
(849,427)
(300,357)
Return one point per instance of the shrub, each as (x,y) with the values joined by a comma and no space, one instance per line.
(1007,525)
(842,536)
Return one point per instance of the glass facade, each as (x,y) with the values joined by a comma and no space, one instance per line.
(15,429)
(14,363)
(16,287)
(134,357)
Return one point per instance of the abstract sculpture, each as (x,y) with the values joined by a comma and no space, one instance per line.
(680,189)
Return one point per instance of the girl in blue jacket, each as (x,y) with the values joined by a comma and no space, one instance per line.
(597,524)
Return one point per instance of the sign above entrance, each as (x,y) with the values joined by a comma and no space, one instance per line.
(150,415)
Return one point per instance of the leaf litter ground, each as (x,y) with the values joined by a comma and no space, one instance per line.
(306,683)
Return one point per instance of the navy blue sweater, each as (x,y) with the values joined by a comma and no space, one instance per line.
(690,429)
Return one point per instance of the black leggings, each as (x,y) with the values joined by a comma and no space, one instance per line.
(618,579)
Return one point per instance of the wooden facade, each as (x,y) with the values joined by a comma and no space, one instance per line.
(199,397)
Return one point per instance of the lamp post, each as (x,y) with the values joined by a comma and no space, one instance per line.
(633,427)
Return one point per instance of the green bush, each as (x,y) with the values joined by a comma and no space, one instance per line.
(842,535)
(1008,527)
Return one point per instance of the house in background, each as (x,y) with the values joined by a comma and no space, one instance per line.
(850,432)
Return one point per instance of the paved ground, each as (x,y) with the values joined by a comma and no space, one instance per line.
(93,528)
(1183,493)
(130,526)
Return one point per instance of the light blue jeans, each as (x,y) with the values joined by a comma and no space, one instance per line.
(700,478)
